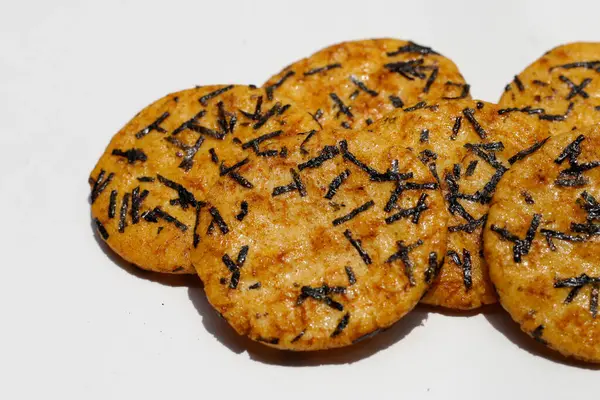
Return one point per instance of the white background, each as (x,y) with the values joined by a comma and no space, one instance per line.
(76,323)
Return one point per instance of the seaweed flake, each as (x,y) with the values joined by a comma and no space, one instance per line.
(471,168)
(414,212)
(463,94)
(309,135)
(257,114)
(254,143)
(185,197)
(537,333)
(424,136)
(456,171)
(284,109)
(528,151)
(100,184)
(298,337)
(243,211)
(190,124)
(433,267)
(234,267)
(368,121)
(572,176)
(427,155)
(551,234)
(295,185)
(351,276)
(466,265)
(578,283)
(416,107)
(157,212)
(196,235)
(342,108)
(101,229)
(123,213)
(327,153)
(155,126)
(559,117)
(112,204)
(218,220)
(576,89)
(518,83)
(402,186)
(132,155)
(336,183)
(396,101)
(431,79)
(341,325)
(403,255)
(412,47)
(595,65)
(269,89)
(456,128)
(521,246)
(353,213)
(266,116)
(190,152)
(323,294)
(254,286)
(204,99)
(357,244)
(136,201)
(145,179)
(539,83)
(316,116)
(527,110)
(469,114)
(528,198)
(322,69)
(362,86)
(408,69)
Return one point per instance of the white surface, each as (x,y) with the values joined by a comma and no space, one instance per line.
(77,325)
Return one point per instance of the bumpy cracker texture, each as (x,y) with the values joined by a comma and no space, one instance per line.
(552,291)
(172,138)
(562,88)
(468,144)
(352,84)
(307,282)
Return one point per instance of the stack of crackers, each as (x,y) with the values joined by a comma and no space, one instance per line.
(322,207)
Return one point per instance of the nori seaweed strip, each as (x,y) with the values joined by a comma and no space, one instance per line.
(456,127)
(412,47)
(224,170)
(255,116)
(101,229)
(204,99)
(196,235)
(341,325)
(152,216)
(185,199)
(595,65)
(155,126)
(243,212)
(132,155)
(424,136)
(112,204)
(589,228)
(518,83)
(551,234)
(467,269)
(431,79)
(273,341)
(433,267)
(222,118)
(283,153)
(553,117)
(575,181)
(145,179)
(266,116)
(463,94)
(590,205)
(427,155)
(485,195)
(470,226)
(218,220)
(336,183)
(471,168)
(521,246)
(527,196)
(576,89)
(572,151)
(480,105)
(537,335)
(298,337)
(408,69)
(322,294)
(539,83)
(357,244)
(284,109)
(123,213)
(416,107)
(254,143)
(316,116)
(414,212)
(190,152)
(321,69)
(136,201)
(362,86)
(368,121)
(342,108)
(354,94)
(456,171)
(594,300)
(480,150)
(396,101)
(100,184)
(403,255)
(526,110)
(351,276)
(309,135)
(469,114)
(524,153)
(268,153)
(295,185)
(269,89)
(401,187)
(373,173)
(189,124)
(353,213)
(254,286)
(576,284)
(327,153)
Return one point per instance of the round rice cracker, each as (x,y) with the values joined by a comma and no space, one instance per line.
(352,84)
(154,174)
(542,243)
(562,88)
(314,264)
(467,144)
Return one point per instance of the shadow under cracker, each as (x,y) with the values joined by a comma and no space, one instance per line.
(227,336)
(502,322)
(172,280)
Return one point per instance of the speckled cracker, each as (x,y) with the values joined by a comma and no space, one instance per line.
(148,187)
(562,88)
(468,145)
(314,261)
(542,243)
(352,84)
